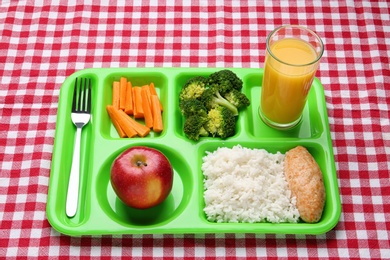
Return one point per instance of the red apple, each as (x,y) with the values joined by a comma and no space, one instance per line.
(142,177)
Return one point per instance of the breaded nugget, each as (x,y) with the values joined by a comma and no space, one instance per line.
(305,181)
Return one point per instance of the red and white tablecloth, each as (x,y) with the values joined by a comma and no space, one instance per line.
(43,42)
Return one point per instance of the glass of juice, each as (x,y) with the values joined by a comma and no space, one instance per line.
(292,58)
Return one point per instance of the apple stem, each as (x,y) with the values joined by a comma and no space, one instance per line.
(139,163)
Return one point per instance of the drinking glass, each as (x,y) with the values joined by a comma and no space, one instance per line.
(292,57)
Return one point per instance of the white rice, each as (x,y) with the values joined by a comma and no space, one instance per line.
(247,185)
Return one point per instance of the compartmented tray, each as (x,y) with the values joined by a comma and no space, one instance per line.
(101,212)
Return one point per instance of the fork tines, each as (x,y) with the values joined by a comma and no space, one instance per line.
(82,96)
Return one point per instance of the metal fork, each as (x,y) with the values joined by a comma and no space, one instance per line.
(81,114)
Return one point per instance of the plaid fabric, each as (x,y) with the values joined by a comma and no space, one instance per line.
(43,42)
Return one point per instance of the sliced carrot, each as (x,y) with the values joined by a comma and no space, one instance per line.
(156,111)
(141,129)
(152,89)
(154,92)
(138,109)
(122,92)
(115,94)
(148,93)
(116,115)
(116,124)
(146,107)
(129,99)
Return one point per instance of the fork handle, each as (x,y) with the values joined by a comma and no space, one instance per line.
(74,179)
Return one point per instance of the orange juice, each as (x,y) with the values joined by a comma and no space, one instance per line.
(288,75)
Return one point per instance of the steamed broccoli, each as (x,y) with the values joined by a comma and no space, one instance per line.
(210,105)
(237,98)
(191,107)
(225,80)
(194,127)
(221,122)
(212,98)
(193,88)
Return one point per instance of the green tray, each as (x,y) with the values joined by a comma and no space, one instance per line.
(101,212)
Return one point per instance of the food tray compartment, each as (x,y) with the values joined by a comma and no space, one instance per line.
(101,212)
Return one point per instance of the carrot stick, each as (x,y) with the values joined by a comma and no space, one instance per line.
(138,109)
(156,111)
(146,106)
(148,93)
(115,94)
(141,129)
(154,92)
(127,128)
(116,124)
(122,92)
(129,99)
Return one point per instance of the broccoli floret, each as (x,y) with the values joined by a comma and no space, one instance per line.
(210,105)
(194,127)
(211,98)
(191,107)
(225,81)
(221,122)
(193,88)
(237,98)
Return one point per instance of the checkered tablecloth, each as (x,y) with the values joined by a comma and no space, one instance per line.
(43,42)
